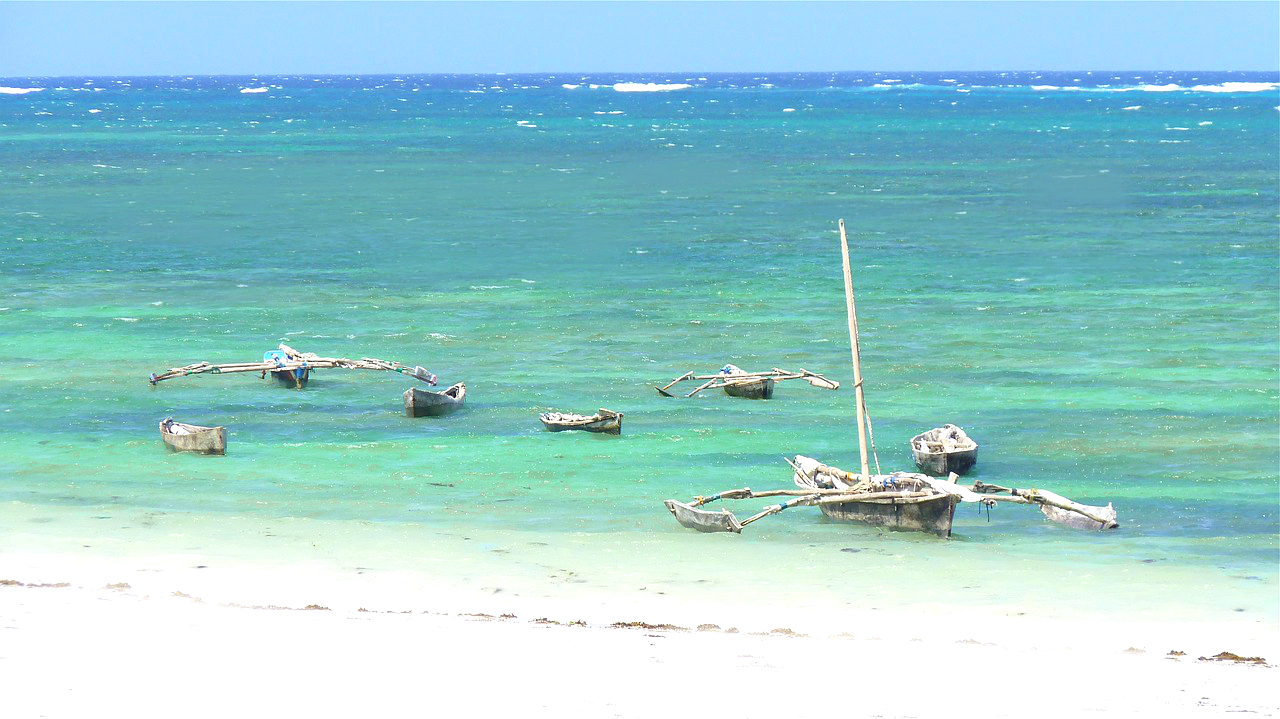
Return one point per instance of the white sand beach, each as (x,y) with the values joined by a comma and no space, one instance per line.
(141,639)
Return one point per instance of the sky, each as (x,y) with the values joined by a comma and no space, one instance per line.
(40,39)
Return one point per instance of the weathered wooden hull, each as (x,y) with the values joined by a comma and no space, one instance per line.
(751,389)
(604,425)
(291,378)
(933,515)
(425,403)
(204,440)
(941,464)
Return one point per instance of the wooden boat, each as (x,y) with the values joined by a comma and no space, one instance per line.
(603,421)
(918,502)
(929,504)
(295,378)
(747,387)
(181,437)
(292,368)
(425,403)
(752,385)
(944,450)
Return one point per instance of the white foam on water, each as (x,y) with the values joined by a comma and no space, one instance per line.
(649,86)
(529,282)
(525,123)
(1221,87)
(569,86)
(253,90)
(1132,107)
(126,319)
(19,90)
(1206,122)
(94,111)
(788,109)
(1181,129)
(1238,87)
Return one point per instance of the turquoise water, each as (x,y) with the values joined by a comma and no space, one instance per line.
(1085,279)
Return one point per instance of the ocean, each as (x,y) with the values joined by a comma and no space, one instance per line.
(1080,269)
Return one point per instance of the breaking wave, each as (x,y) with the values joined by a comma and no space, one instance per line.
(650,86)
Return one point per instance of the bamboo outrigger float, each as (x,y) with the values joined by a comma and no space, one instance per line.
(750,385)
(293,368)
(900,500)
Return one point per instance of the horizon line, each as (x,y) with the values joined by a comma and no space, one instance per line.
(382,73)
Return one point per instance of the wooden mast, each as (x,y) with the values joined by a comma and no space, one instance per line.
(854,349)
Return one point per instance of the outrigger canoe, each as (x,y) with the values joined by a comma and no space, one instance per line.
(603,421)
(747,387)
(181,437)
(425,403)
(906,501)
(295,378)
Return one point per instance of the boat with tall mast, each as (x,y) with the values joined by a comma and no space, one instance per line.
(930,510)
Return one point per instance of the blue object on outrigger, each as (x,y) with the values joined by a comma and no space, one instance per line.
(277,356)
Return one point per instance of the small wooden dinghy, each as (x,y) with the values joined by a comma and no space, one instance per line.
(603,421)
(425,403)
(747,387)
(181,437)
(944,450)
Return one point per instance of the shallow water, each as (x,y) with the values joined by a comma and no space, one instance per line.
(1088,288)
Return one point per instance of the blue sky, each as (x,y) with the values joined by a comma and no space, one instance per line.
(131,38)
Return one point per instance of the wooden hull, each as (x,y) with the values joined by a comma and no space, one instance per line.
(751,389)
(933,516)
(289,378)
(941,464)
(604,425)
(193,438)
(425,403)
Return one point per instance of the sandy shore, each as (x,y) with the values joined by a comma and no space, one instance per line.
(87,639)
